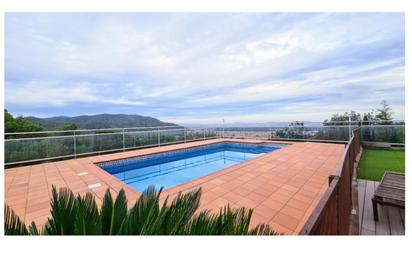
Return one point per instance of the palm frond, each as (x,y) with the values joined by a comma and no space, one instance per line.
(81,216)
(87,216)
(227,222)
(113,215)
(242,217)
(142,218)
(203,223)
(33,230)
(63,211)
(262,229)
(13,225)
(180,211)
(106,213)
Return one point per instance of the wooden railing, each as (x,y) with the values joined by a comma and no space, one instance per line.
(332,215)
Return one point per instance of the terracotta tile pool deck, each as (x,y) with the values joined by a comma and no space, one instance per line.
(283,186)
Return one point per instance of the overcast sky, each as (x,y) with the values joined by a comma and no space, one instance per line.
(202,68)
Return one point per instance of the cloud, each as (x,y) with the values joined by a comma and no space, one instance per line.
(55,94)
(176,66)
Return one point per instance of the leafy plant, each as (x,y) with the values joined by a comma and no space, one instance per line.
(19,124)
(13,225)
(79,215)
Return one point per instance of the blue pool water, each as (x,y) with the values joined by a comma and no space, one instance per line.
(176,167)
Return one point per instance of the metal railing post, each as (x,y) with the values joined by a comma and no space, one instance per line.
(158,136)
(204,134)
(74,144)
(360,129)
(350,130)
(123,140)
(47,147)
(403,134)
(185,134)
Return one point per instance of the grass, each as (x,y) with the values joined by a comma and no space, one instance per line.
(374,163)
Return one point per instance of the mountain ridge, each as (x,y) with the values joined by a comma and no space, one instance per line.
(99,121)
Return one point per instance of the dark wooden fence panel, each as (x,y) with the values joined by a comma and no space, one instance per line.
(333,213)
(344,197)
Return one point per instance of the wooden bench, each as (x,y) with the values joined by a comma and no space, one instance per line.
(391,191)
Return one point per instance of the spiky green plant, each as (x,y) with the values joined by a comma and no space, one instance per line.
(13,225)
(79,215)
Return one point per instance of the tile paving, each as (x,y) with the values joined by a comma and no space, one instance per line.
(283,186)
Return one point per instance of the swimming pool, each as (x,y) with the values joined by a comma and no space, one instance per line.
(176,167)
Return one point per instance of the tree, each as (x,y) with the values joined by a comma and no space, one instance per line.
(381,116)
(71,126)
(79,215)
(9,122)
(338,119)
(369,116)
(19,124)
(297,124)
(385,113)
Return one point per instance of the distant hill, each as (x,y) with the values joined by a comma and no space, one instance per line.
(99,121)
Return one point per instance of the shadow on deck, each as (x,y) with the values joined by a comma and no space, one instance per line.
(391,219)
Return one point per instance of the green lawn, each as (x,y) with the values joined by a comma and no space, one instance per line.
(374,163)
